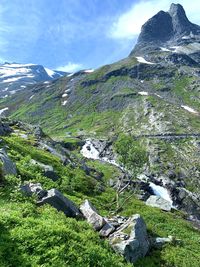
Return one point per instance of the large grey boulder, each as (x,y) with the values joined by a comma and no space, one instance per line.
(38,132)
(159,202)
(60,202)
(92,216)
(48,170)
(131,239)
(31,188)
(8,167)
(4,128)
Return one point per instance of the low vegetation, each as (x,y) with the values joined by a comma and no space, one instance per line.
(41,236)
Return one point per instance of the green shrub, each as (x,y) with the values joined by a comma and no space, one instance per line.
(131,153)
(48,238)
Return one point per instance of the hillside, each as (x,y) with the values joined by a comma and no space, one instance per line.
(119,136)
(24,225)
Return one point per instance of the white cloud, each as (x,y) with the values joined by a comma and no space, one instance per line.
(70,67)
(129,24)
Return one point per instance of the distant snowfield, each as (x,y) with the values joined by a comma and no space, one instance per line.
(158,95)
(64,103)
(15,65)
(190,109)
(65,95)
(3,109)
(31,97)
(10,73)
(142,60)
(7,72)
(89,71)
(50,72)
(9,80)
(143,93)
(165,49)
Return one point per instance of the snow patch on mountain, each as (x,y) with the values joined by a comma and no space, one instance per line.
(142,60)
(89,71)
(9,80)
(189,109)
(2,110)
(164,49)
(143,93)
(64,103)
(16,65)
(31,97)
(64,95)
(158,95)
(51,73)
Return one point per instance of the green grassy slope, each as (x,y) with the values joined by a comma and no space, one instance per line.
(41,236)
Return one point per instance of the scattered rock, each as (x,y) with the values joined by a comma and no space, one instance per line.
(158,242)
(31,188)
(186,200)
(61,203)
(4,128)
(38,132)
(159,202)
(8,166)
(131,239)
(48,170)
(106,230)
(90,213)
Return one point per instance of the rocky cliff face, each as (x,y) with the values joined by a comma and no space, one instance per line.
(166,29)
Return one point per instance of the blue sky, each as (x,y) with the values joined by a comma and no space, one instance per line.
(75,34)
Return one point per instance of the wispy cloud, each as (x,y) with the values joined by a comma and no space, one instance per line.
(128,24)
(70,67)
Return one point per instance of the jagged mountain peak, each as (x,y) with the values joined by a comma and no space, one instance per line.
(177,9)
(166,28)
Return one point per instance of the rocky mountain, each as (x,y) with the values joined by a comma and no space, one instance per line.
(125,136)
(168,31)
(15,77)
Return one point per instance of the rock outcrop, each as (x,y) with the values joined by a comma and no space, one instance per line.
(8,167)
(48,170)
(159,202)
(172,28)
(52,197)
(131,239)
(4,128)
(31,188)
(92,216)
(60,202)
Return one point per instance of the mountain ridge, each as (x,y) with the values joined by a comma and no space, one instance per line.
(170,29)
(15,77)
(125,137)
